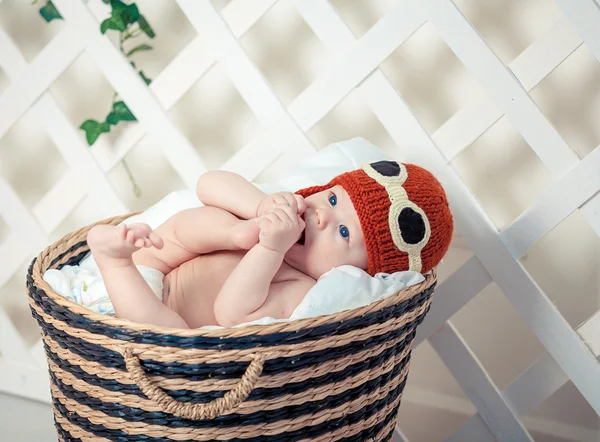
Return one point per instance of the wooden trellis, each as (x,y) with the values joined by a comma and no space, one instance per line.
(572,354)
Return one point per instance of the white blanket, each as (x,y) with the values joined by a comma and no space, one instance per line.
(342,288)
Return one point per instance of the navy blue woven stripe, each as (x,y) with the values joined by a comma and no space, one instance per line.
(66,436)
(306,432)
(229,370)
(273,339)
(257,394)
(288,412)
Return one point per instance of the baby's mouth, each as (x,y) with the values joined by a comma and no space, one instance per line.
(301,239)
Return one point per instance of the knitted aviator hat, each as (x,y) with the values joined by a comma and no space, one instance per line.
(403,212)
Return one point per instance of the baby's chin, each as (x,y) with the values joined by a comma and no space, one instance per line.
(298,258)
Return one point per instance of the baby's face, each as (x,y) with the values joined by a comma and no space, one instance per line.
(332,236)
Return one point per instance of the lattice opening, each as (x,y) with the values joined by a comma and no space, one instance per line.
(362,15)
(171,26)
(431,79)
(350,118)
(29,160)
(287,52)
(577,419)
(82,92)
(570,99)
(215,118)
(505,345)
(509,26)
(565,265)
(432,395)
(23,23)
(503,173)
(151,172)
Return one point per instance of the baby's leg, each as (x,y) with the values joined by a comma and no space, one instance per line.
(197,231)
(132,298)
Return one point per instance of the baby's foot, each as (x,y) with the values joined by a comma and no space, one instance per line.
(244,235)
(112,246)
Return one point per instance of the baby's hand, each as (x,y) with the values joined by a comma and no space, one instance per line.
(269,202)
(280,228)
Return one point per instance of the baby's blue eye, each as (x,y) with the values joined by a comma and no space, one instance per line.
(333,199)
(344,231)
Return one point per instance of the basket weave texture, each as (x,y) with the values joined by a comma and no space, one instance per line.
(336,377)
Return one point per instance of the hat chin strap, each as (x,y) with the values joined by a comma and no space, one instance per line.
(414,262)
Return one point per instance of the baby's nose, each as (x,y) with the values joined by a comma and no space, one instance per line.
(322,217)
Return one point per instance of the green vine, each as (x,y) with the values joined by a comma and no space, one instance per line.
(127,20)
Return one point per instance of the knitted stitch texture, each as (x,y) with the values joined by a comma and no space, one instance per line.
(410,191)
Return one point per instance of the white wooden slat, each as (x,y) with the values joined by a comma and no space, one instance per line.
(501,419)
(377,91)
(558,202)
(175,147)
(500,84)
(252,159)
(60,201)
(545,54)
(28,83)
(327,25)
(351,68)
(590,333)
(20,220)
(591,212)
(475,226)
(283,132)
(530,68)
(77,155)
(188,66)
(452,294)
(12,255)
(241,15)
(535,385)
(584,16)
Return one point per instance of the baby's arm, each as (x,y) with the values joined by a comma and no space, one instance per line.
(248,293)
(237,195)
(229,191)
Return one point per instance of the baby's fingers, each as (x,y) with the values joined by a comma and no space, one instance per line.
(156,240)
(301,204)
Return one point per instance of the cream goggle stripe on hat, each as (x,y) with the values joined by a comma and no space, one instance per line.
(408,223)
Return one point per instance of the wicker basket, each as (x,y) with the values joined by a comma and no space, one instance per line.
(331,378)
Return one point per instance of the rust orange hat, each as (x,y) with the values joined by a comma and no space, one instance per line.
(403,212)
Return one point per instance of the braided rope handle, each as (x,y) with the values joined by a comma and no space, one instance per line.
(210,410)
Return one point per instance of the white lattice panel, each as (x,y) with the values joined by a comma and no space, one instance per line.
(354,69)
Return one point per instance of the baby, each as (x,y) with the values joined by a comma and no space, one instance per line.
(245,255)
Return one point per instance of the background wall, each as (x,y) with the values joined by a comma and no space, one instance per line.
(499,167)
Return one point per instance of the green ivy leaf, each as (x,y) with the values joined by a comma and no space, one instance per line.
(120,112)
(145,26)
(130,14)
(142,47)
(146,79)
(49,12)
(93,129)
(117,7)
(115,23)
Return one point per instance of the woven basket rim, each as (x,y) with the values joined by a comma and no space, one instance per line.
(78,237)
